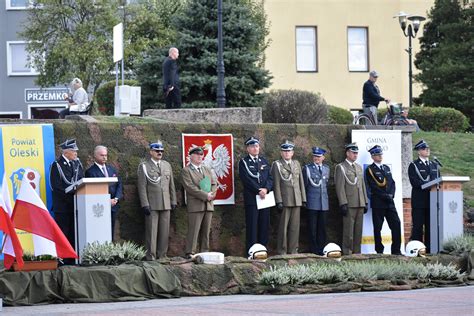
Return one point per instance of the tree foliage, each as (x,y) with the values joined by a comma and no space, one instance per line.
(244,31)
(446,57)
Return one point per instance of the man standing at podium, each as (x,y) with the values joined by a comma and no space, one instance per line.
(65,171)
(100,170)
(157,198)
(421,171)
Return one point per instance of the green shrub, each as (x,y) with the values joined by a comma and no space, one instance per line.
(111,253)
(28,256)
(294,106)
(104,97)
(459,244)
(337,115)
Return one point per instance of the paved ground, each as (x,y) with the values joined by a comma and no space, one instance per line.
(439,301)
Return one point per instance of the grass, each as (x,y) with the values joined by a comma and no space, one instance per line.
(456,152)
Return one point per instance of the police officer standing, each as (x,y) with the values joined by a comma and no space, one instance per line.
(381,188)
(157,197)
(254,172)
(290,195)
(352,196)
(316,179)
(65,171)
(421,171)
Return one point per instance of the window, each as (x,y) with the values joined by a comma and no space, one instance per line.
(306,53)
(358,48)
(10,115)
(18,4)
(17,60)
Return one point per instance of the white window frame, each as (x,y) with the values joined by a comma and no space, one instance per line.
(314,44)
(367,61)
(11,112)
(9,7)
(10,72)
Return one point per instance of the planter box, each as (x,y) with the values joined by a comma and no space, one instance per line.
(37,265)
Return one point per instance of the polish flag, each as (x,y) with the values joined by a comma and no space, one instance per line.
(31,215)
(11,246)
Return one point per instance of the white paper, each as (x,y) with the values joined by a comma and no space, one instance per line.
(267,202)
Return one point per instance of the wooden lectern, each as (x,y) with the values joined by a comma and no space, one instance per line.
(446,210)
(92,211)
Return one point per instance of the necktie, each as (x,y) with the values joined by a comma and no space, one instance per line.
(320,171)
(255,160)
(199,169)
(104,170)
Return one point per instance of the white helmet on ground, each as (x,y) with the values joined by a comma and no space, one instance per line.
(332,251)
(415,248)
(258,252)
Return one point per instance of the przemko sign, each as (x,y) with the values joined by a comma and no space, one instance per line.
(45,95)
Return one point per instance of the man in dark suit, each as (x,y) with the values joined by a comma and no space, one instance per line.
(65,171)
(100,170)
(381,187)
(371,95)
(254,172)
(171,80)
(421,171)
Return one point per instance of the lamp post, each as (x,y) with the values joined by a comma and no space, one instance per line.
(220,59)
(409,28)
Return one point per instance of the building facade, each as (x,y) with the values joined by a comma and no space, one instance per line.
(330,46)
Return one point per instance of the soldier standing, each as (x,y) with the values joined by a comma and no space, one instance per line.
(254,172)
(290,195)
(157,198)
(381,191)
(316,178)
(421,171)
(352,196)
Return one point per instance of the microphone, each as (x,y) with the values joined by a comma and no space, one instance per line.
(437,161)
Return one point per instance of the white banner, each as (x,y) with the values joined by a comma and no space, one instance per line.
(391,142)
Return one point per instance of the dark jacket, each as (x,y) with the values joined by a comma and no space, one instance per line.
(115,189)
(421,198)
(254,176)
(64,202)
(371,94)
(170,74)
(380,185)
(316,185)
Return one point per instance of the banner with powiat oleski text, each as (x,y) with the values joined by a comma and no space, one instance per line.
(27,151)
(219,156)
(391,142)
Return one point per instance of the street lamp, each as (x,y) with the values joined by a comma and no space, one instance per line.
(409,30)
(220,59)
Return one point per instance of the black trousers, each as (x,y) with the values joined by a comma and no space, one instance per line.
(378,216)
(421,218)
(113,217)
(256,225)
(173,99)
(317,231)
(65,221)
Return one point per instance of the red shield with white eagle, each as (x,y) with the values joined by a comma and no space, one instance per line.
(219,156)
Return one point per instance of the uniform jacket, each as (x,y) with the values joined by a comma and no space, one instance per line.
(156,185)
(421,198)
(288,184)
(371,94)
(196,199)
(381,196)
(348,190)
(64,202)
(316,186)
(170,74)
(254,176)
(115,189)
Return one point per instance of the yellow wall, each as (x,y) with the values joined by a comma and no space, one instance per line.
(332,17)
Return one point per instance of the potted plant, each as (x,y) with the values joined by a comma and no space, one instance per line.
(36,263)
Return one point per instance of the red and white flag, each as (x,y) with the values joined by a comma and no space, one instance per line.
(12,247)
(31,215)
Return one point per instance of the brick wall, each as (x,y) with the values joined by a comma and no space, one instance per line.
(407,219)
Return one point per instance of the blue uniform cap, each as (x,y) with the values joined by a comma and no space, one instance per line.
(318,151)
(69,144)
(252,141)
(158,146)
(196,150)
(352,147)
(287,146)
(421,145)
(376,150)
